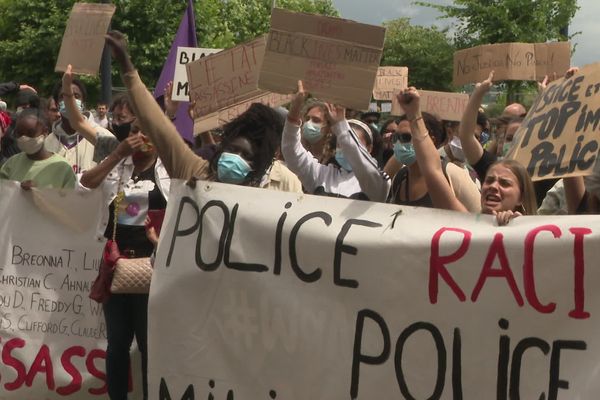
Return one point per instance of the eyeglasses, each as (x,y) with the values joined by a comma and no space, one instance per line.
(401,137)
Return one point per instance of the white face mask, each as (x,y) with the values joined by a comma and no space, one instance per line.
(2,105)
(31,145)
(456,149)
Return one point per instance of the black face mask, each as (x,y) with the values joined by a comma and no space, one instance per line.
(121,131)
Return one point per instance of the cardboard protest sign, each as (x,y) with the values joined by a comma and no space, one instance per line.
(53,336)
(220,118)
(511,61)
(389,81)
(225,78)
(186,55)
(310,297)
(386,107)
(560,135)
(445,105)
(83,40)
(336,59)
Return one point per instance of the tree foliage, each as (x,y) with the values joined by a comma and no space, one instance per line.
(426,51)
(504,21)
(31,32)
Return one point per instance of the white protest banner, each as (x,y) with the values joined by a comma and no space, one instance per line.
(83,40)
(560,135)
(336,59)
(220,118)
(185,55)
(226,78)
(269,295)
(389,81)
(445,105)
(511,61)
(52,336)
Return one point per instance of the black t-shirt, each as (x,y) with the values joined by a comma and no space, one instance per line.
(402,177)
(141,194)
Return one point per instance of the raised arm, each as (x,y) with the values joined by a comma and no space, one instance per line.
(428,157)
(373,182)
(179,160)
(76,118)
(466,130)
(299,160)
(94,177)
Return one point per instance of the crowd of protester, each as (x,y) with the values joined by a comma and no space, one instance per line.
(131,149)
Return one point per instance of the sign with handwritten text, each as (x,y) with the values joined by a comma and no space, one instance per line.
(445,105)
(336,59)
(511,61)
(83,40)
(560,137)
(225,78)
(220,118)
(52,335)
(260,294)
(181,91)
(389,81)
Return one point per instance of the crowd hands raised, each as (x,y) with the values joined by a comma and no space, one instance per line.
(415,159)
(315,147)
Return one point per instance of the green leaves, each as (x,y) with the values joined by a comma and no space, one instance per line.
(427,52)
(31,32)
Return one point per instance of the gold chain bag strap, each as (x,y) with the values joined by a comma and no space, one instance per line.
(131,275)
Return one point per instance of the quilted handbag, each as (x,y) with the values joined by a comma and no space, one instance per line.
(132,275)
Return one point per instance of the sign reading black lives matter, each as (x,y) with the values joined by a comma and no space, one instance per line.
(336,59)
(561,134)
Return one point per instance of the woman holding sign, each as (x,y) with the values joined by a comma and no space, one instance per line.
(245,154)
(356,173)
(506,192)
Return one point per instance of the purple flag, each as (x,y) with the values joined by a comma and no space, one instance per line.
(185,37)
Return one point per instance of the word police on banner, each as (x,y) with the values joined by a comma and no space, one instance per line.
(186,55)
(52,336)
(336,59)
(220,118)
(445,105)
(389,81)
(83,40)
(511,61)
(324,298)
(225,78)
(560,135)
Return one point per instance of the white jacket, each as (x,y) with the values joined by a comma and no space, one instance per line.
(365,177)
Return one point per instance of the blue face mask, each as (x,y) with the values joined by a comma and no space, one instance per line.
(311,132)
(405,153)
(62,108)
(341,160)
(232,168)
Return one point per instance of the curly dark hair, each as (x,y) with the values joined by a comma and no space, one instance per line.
(262,127)
(58,87)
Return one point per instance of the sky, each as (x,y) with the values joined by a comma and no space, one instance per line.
(377,11)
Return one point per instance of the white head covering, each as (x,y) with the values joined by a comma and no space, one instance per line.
(364,126)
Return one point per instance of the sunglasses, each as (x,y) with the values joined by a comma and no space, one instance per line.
(401,137)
